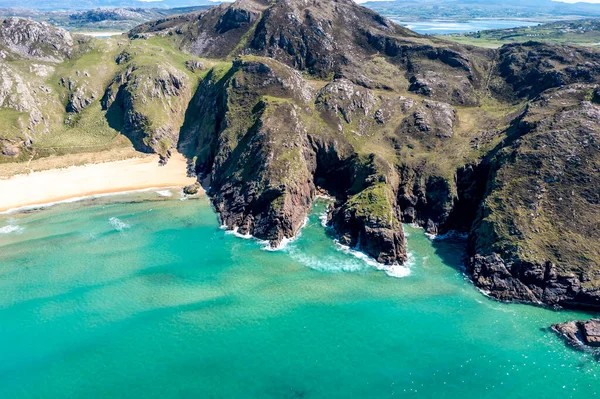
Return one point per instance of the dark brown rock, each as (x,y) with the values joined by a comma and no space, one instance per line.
(580,333)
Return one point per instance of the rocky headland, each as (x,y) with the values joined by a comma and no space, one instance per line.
(274,101)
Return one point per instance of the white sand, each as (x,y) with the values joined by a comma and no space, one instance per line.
(55,185)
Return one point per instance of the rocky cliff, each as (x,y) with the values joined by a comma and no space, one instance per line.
(534,236)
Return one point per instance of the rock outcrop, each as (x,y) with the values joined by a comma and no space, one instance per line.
(580,334)
(35,40)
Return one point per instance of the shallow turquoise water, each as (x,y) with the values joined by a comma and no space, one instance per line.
(125,298)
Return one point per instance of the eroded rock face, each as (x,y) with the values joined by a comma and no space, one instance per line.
(18,94)
(580,334)
(432,118)
(530,68)
(368,221)
(347,99)
(256,151)
(79,99)
(273,203)
(149,102)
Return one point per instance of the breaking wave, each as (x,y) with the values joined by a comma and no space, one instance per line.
(118,224)
(394,270)
(12,227)
(165,193)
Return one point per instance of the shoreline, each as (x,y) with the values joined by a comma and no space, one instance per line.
(74,183)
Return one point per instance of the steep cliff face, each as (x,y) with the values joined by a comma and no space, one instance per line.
(535,234)
(254,146)
(147,103)
(266,139)
(368,217)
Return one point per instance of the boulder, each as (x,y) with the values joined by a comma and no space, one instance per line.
(579,333)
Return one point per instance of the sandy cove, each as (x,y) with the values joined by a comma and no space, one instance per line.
(48,186)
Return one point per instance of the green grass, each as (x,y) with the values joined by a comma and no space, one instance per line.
(374,201)
(90,130)
(12,123)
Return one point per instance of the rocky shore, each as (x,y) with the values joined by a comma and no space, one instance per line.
(580,334)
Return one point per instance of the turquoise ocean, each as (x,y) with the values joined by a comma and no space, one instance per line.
(145,296)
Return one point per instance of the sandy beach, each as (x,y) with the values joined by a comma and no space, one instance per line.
(48,186)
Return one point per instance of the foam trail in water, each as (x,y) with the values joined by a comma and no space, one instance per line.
(394,270)
(74,199)
(328,263)
(118,224)
(165,193)
(12,227)
(236,233)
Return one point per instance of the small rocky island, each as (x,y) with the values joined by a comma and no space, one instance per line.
(580,334)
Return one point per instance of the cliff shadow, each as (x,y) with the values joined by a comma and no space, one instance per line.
(116,119)
(452,250)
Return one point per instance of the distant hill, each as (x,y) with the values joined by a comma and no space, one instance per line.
(56,5)
(469,9)
(99,19)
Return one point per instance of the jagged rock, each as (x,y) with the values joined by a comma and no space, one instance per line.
(9,149)
(367,221)
(192,189)
(433,118)
(17,94)
(78,100)
(194,65)
(123,58)
(580,333)
(346,99)
(530,68)
(35,40)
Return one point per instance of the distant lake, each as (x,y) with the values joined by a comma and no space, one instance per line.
(442,27)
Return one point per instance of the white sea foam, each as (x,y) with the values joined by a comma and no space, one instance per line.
(118,224)
(393,270)
(12,227)
(236,233)
(445,236)
(327,263)
(323,217)
(165,193)
(71,200)
(285,241)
